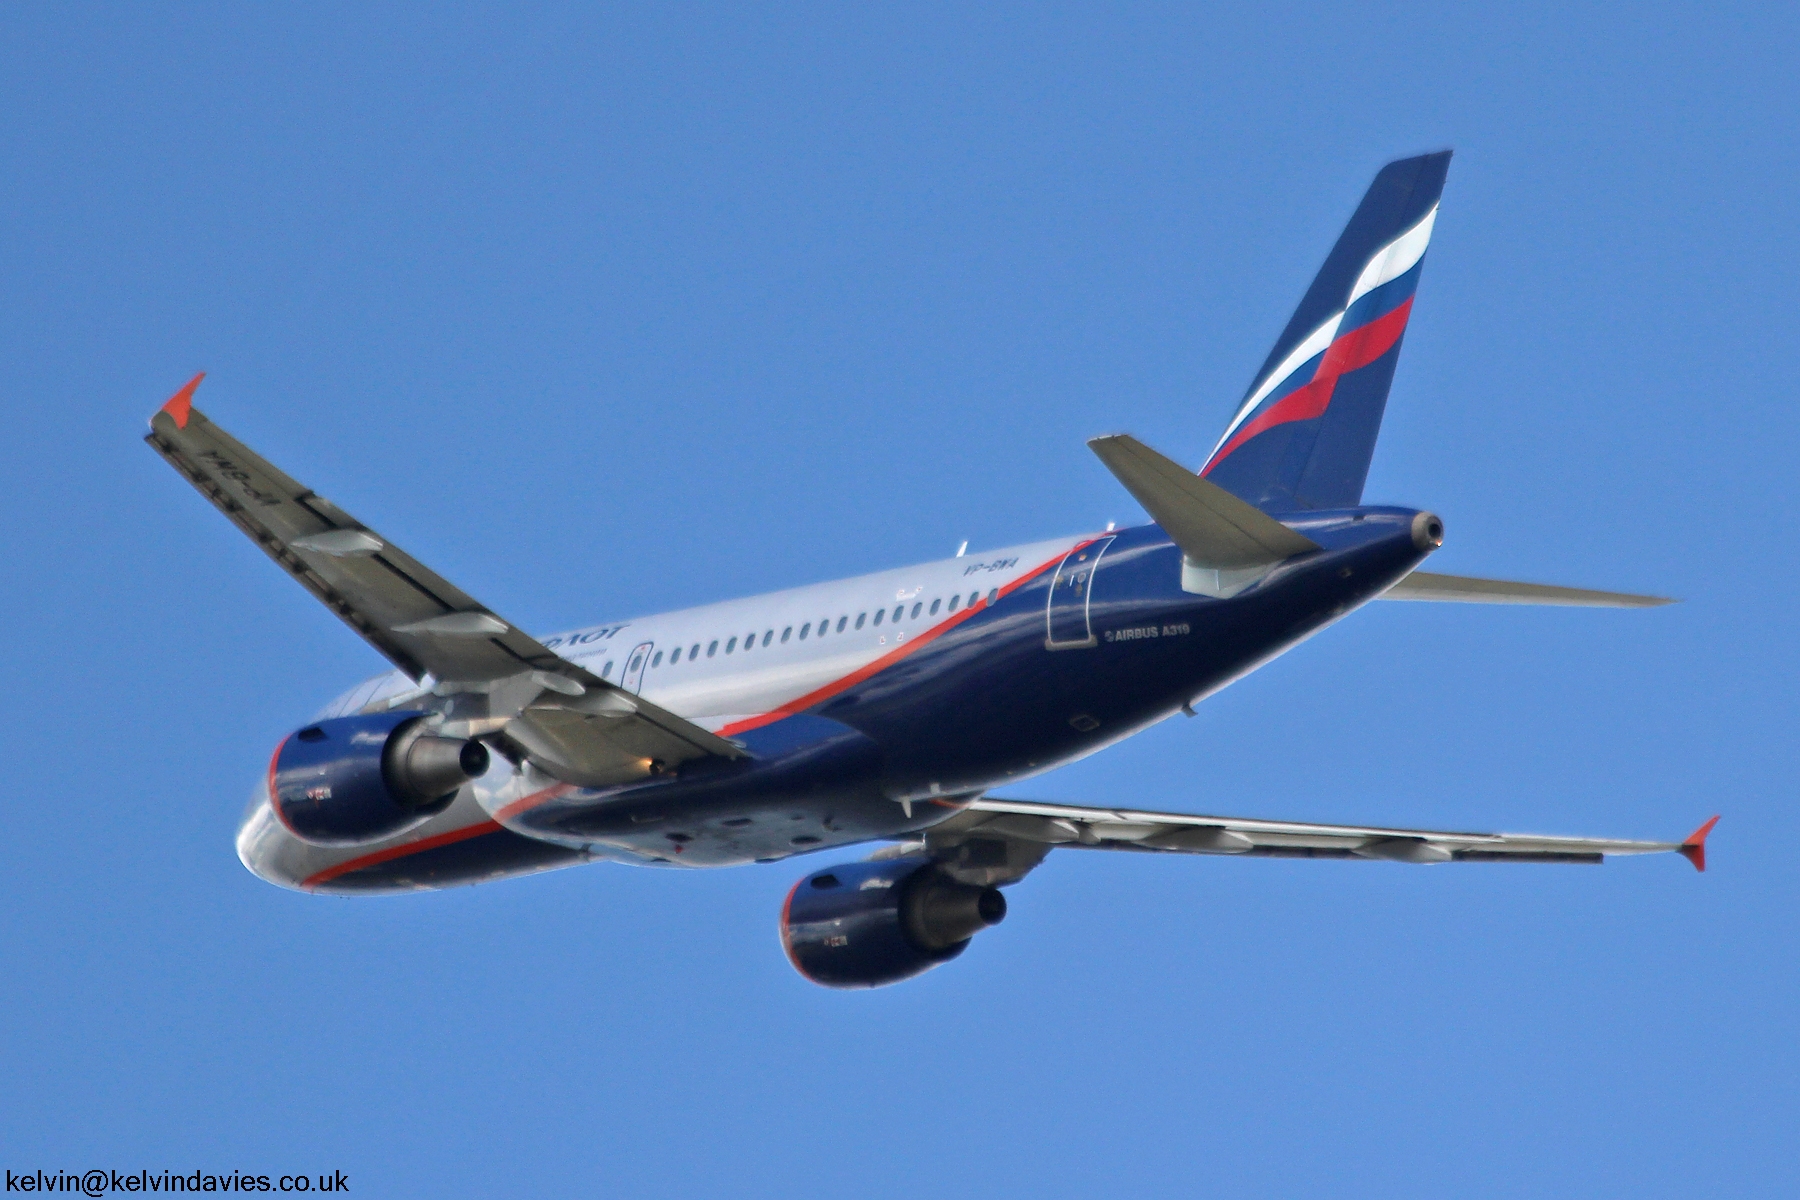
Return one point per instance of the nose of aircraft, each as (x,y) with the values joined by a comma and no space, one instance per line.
(264,845)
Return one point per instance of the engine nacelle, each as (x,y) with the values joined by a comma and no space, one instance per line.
(871,923)
(358,779)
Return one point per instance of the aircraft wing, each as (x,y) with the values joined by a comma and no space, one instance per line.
(1424,585)
(576,725)
(996,841)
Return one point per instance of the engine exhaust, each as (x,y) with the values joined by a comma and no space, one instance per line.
(939,912)
(422,768)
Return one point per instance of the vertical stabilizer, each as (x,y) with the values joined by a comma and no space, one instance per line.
(1306,430)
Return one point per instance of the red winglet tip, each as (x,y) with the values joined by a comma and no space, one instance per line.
(1694,848)
(182,402)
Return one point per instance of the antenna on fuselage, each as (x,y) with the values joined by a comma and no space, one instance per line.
(963,549)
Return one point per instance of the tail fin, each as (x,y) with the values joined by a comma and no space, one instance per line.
(1305,433)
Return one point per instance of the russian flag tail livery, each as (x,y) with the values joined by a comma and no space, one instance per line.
(1305,432)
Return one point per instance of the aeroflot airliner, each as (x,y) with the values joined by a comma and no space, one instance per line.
(884,709)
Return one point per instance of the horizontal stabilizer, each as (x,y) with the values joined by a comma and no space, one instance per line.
(1213,527)
(1423,585)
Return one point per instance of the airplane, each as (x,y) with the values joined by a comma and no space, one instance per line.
(886,708)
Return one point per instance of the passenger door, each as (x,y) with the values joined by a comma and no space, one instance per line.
(1066,613)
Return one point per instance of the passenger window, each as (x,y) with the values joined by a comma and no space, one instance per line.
(803,630)
(635,660)
(915,611)
(713,648)
(786,633)
(954,602)
(675,656)
(731,645)
(934,607)
(880,615)
(606,670)
(860,618)
(693,651)
(841,621)
(993,595)
(974,599)
(657,661)
(769,636)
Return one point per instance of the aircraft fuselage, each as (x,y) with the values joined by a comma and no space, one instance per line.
(872,708)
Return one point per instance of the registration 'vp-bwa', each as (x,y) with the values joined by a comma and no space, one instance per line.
(880,709)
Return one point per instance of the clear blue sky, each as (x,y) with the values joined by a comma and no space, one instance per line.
(603,313)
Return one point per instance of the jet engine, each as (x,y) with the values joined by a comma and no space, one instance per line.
(871,923)
(357,779)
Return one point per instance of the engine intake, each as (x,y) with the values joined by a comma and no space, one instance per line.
(358,779)
(873,923)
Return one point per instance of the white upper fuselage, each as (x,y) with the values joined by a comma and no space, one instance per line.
(722,665)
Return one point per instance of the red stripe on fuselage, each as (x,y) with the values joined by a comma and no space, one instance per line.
(837,686)
(816,696)
(533,800)
(393,852)
(1351,351)
(448,838)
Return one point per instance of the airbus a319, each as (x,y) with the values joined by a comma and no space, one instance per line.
(887,709)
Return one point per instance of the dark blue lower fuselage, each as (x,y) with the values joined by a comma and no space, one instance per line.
(1026,685)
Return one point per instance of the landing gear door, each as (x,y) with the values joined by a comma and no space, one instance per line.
(633,679)
(1066,613)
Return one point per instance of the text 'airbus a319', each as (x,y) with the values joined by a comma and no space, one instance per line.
(881,709)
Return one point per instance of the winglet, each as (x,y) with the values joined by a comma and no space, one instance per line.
(1694,849)
(182,402)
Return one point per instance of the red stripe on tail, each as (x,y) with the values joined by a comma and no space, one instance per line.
(1347,353)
